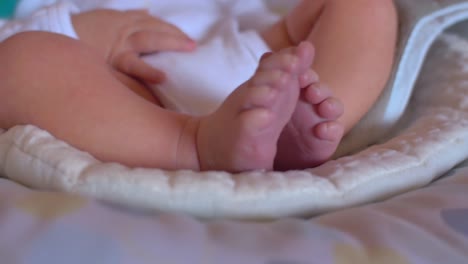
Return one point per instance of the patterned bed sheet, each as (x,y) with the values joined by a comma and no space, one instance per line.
(429,225)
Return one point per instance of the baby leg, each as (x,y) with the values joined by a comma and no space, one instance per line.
(354,43)
(64,87)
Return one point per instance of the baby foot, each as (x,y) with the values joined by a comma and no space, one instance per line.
(243,133)
(313,133)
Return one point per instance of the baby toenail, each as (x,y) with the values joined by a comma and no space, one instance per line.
(329,131)
(309,76)
(330,106)
(317,90)
(292,63)
(263,94)
(282,78)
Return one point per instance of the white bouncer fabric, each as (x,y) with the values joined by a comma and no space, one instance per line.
(430,139)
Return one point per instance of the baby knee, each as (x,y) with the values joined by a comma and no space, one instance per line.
(35,48)
(40,55)
(380,13)
(32,41)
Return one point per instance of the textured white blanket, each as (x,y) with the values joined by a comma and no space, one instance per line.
(430,139)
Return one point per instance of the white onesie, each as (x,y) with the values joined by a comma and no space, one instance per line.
(228,44)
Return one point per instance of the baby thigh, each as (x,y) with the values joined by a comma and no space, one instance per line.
(60,85)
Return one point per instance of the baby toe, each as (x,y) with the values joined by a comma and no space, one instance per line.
(260,96)
(330,131)
(285,60)
(305,52)
(308,78)
(316,93)
(273,78)
(331,108)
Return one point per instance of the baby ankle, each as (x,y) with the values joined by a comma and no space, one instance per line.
(187,151)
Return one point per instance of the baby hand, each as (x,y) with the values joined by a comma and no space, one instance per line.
(122,37)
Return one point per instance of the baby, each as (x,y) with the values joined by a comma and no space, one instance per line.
(93,93)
